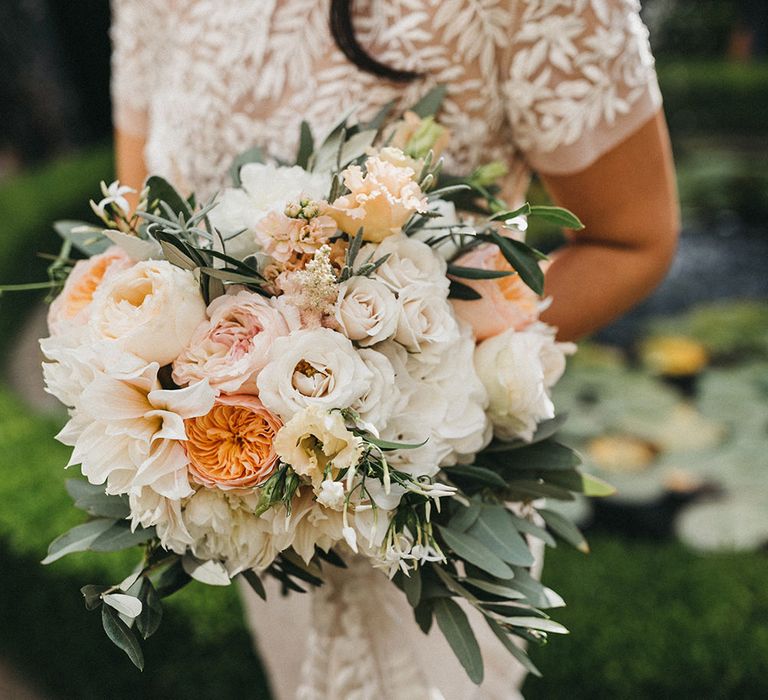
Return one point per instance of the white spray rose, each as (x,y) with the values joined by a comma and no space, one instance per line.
(366,310)
(265,188)
(317,367)
(151,309)
(409,262)
(378,403)
(518,368)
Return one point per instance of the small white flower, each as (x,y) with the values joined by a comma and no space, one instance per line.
(350,537)
(331,494)
(114,193)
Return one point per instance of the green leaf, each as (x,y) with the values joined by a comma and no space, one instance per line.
(512,648)
(494,588)
(252,155)
(537,623)
(565,528)
(306,146)
(253,580)
(422,613)
(504,215)
(476,474)
(103,505)
(496,530)
(380,117)
(475,552)
(527,527)
(594,486)
(476,273)
(160,190)
(547,455)
(92,594)
(557,215)
(171,579)
(454,625)
(462,291)
(535,592)
(127,605)
(390,445)
(78,539)
(412,587)
(531,489)
(88,239)
(545,430)
(465,517)
(122,636)
(356,146)
(429,105)
(151,612)
(522,258)
(119,536)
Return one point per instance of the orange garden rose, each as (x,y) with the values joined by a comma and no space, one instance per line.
(81,284)
(507,302)
(231,447)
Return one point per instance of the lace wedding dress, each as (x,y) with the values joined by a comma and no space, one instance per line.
(549,85)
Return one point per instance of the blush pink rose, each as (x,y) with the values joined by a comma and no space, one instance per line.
(232,346)
(73,304)
(507,302)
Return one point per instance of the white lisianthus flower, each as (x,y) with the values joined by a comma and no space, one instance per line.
(232,345)
(409,262)
(150,309)
(316,443)
(265,188)
(366,310)
(425,318)
(518,369)
(317,367)
(128,431)
(378,403)
(331,494)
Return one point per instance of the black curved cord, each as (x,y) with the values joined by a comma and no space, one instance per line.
(343,33)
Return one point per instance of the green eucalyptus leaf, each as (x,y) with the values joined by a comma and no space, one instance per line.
(254,581)
(532,489)
(356,146)
(522,258)
(476,273)
(496,530)
(412,587)
(78,539)
(536,623)
(103,505)
(462,291)
(528,528)
(88,239)
(473,473)
(151,615)
(455,627)
(92,595)
(546,455)
(160,190)
(565,528)
(122,635)
(512,648)
(120,536)
(252,155)
(422,613)
(306,146)
(475,552)
(557,215)
(494,588)
(171,579)
(505,215)
(429,105)
(465,517)
(536,593)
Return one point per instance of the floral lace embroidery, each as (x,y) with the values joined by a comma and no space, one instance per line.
(207,79)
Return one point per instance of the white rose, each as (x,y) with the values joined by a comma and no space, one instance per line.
(317,367)
(425,317)
(331,494)
(264,188)
(366,310)
(409,262)
(152,309)
(378,403)
(518,368)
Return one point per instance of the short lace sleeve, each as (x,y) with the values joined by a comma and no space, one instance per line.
(135,25)
(578,78)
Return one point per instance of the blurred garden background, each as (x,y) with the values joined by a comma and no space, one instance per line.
(670,404)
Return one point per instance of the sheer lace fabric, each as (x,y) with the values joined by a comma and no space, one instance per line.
(544,84)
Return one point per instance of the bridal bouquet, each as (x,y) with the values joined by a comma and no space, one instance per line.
(322,361)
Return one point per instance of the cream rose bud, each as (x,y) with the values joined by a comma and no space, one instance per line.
(408,262)
(366,310)
(317,444)
(232,346)
(518,369)
(425,318)
(151,309)
(380,200)
(317,367)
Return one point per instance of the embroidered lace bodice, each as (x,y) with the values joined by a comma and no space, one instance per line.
(543,84)
(549,85)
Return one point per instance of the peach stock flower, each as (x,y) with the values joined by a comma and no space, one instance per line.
(380,200)
(507,302)
(231,447)
(76,297)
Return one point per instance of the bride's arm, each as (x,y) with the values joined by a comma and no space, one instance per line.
(129,162)
(627,201)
